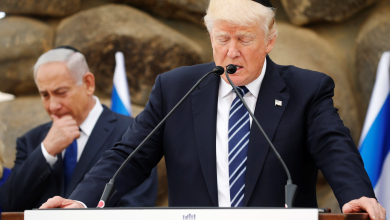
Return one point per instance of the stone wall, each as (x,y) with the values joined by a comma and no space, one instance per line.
(343,39)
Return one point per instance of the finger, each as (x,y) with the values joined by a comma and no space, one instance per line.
(382,212)
(352,206)
(71,204)
(68,121)
(347,208)
(74,134)
(54,202)
(371,208)
(376,208)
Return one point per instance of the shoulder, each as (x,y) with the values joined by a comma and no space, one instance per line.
(186,73)
(303,79)
(115,118)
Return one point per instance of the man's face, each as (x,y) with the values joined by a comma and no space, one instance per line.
(60,93)
(242,46)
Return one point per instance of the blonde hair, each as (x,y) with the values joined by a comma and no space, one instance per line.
(243,13)
(2,128)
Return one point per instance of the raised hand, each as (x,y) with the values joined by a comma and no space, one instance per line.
(61,134)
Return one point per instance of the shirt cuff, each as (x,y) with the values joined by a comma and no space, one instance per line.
(51,160)
(81,203)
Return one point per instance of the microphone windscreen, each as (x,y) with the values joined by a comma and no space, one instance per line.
(231,68)
(218,70)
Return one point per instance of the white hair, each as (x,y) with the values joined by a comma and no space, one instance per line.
(246,13)
(75,61)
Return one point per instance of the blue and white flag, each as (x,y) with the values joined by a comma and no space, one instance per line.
(374,145)
(120,97)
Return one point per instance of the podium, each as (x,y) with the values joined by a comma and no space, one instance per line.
(182,214)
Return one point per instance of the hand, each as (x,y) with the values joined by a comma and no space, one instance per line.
(59,202)
(370,205)
(61,134)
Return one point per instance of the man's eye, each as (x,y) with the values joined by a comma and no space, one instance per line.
(246,40)
(61,92)
(223,40)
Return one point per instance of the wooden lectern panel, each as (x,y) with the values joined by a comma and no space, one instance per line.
(12,216)
(322,216)
(340,216)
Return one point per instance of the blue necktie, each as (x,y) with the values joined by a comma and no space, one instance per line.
(239,129)
(70,162)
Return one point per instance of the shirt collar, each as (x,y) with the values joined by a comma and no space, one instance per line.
(89,123)
(253,87)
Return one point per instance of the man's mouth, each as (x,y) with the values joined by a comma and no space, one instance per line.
(238,67)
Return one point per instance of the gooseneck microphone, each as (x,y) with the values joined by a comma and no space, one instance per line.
(290,188)
(109,189)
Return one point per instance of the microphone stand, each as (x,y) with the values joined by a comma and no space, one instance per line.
(290,188)
(108,190)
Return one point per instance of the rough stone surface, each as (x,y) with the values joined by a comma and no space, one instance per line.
(371,42)
(55,8)
(22,41)
(189,10)
(149,47)
(302,12)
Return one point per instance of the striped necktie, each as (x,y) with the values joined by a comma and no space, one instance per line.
(70,162)
(239,129)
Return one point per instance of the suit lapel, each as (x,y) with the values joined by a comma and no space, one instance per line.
(268,115)
(204,109)
(96,140)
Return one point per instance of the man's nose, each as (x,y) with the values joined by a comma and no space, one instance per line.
(54,105)
(233,50)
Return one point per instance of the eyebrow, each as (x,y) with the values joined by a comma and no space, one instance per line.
(56,90)
(239,34)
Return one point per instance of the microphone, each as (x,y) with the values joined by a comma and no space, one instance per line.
(290,188)
(109,189)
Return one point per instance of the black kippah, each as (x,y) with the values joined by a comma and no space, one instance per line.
(67,47)
(266,3)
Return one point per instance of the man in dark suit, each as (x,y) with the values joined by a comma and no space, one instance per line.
(213,153)
(53,158)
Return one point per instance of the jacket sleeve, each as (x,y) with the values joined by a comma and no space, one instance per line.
(28,178)
(332,148)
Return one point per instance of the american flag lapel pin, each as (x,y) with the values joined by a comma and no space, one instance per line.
(278,102)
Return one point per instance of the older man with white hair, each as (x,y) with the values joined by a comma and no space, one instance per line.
(214,155)
(54,157)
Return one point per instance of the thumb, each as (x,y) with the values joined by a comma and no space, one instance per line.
(347,208)
(54,117)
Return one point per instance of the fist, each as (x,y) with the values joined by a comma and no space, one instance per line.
(61,134)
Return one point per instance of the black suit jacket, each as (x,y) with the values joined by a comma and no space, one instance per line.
(33,181)
(306,130)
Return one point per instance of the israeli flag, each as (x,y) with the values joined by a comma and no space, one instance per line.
(374,145)
(120,97)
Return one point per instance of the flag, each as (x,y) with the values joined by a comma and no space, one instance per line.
(120,97)
(374,145)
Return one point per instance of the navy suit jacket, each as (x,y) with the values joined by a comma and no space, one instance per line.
(306,130)
(32,180)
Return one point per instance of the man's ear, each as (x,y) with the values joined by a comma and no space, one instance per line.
(270,45)
(89,82)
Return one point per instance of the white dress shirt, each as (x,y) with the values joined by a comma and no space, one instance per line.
(86,129)
(225,99)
